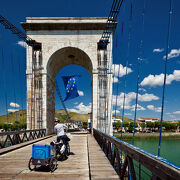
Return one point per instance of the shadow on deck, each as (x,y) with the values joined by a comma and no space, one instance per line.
(87,161)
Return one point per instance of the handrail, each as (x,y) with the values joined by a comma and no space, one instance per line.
(16,137)
(112,146)
(18,132)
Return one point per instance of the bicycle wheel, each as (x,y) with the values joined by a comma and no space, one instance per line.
(53,164)
(30,165)
(68,149)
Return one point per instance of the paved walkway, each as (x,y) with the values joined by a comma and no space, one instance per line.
(88,162)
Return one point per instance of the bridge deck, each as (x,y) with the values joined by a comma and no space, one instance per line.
(87,161)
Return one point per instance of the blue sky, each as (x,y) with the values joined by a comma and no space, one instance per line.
(152,65)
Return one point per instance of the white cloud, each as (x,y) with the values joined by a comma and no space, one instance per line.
(76,103)
(128,114)
(115,79)
(153,108)
(119,70)
(22,44)
(117,111)
(158,50)
(158,80)
(139,108)
(81,93)
(147,97)
(14,105)
(176,112)
(81,108)
(142,89)
(13,110)
(132,96)
(173,53)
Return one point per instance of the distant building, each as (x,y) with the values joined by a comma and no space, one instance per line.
(116,120)
(147,119)
(73,124)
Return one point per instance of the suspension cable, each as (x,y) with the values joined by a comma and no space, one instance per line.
(117,87)
(129,40)
(165,72)
(138,67)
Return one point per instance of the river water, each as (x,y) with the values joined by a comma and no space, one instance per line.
(170,149)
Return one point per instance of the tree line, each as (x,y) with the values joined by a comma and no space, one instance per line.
(13,127)
(152,126)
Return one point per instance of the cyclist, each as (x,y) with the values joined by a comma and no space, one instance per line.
(60,133)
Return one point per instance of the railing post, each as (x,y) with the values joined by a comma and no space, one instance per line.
(124,168)
(131,168)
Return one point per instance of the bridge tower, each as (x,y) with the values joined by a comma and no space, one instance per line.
(66,41)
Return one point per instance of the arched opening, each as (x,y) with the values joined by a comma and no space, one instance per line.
(80,107)
(58,60)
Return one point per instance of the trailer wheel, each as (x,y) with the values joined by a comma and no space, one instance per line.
(30,165)
(53,164)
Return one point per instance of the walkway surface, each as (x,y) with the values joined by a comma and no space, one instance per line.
(86,162)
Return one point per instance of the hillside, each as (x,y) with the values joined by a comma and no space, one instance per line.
(60,114)
(12,117)
(125,118)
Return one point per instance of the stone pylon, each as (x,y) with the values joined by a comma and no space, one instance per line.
(64,41)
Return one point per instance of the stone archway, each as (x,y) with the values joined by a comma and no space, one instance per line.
(58,60)
(64,41)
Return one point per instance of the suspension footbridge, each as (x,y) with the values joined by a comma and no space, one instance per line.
(52,44)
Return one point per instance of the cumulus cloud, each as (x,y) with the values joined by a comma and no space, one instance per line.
(132,96)
(81,108)
(119,70)
(147,97)
(117,111)
(139,108)
(176,112)
(158,50)
(13,110)
(22,44)
(14,105)
(153,108)
(115,79)
(173,53)
(142,89)
(81,93)
(76,103)
(158,80)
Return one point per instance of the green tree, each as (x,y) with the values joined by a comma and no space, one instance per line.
(143,125)
(125,125)
(85,125)
(150,125)
(157,125)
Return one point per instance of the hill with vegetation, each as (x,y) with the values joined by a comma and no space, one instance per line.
(59,114)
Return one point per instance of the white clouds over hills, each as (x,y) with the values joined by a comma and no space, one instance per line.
(81,108)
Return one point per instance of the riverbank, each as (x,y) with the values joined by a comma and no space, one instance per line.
(147,136)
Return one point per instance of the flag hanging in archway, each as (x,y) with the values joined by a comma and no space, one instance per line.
(70,83)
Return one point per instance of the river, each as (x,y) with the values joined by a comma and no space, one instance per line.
(170,149)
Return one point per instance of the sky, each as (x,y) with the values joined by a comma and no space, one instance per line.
(141,37)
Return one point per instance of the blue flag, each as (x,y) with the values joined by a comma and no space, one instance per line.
(70,86)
